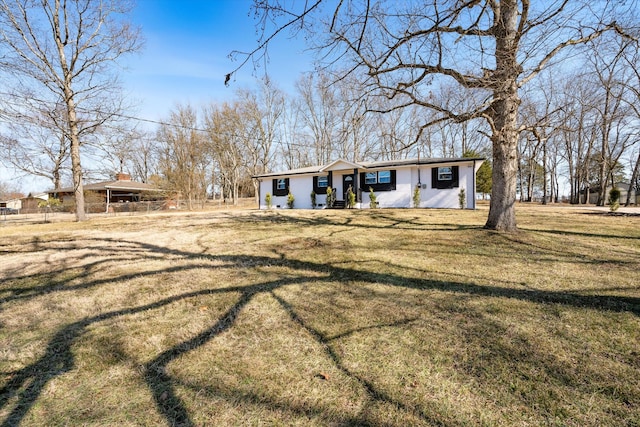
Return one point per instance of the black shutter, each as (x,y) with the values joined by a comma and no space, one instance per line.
(316,189)
(454,181)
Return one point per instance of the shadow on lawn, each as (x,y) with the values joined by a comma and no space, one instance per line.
(24,386)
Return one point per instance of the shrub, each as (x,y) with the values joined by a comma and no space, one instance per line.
(614,199)
(351,198)
(313,200)
(290,200)
(462,199)
(373,199)
(50,203)
(416,196)
(267,199)
(331,197)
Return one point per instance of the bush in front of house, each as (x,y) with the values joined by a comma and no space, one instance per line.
(373,199)
(351,198)
(331,197)
(462,199)
(313,200)
(267,200)
(416,196)
(614,199)
(290,200)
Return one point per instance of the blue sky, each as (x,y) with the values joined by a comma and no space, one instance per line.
(185,57)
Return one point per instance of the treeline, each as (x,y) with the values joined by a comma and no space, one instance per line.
(579,120)
(579,133)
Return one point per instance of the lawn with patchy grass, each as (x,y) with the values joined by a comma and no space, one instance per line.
(315,318)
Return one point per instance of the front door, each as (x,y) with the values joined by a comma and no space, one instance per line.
(347,181)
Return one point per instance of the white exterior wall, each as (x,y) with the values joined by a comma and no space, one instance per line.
(299,186)
(402,197)
(398,198)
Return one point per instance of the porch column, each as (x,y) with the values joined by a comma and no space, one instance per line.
(356,187)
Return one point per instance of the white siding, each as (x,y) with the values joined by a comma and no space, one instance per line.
(299,186)
(402,197)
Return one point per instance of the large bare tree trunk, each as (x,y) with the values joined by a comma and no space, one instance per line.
(503,115)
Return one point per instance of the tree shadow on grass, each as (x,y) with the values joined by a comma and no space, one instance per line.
(24,386)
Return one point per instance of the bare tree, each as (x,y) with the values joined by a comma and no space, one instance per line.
(184,156)
(145,157)
(320,114)
(227,141)
(490,48)
(631,56)
(614,112)
(62,52)
(260,119)
(36,147)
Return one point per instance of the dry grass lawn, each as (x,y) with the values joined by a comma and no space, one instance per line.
(316,318)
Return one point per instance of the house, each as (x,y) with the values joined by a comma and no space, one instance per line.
(11,206)
(624,190)
(31,203)
(394,183)
(122,190)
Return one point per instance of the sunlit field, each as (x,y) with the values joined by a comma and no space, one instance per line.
(315,318)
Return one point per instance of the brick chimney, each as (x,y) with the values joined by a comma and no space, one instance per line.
(123,177)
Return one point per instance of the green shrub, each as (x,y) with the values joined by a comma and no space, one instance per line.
(267,199)
(331,197)
(351,198)
(50,203)
(416,196)
(614,199)
(373,199)
(290,200)
(462,199)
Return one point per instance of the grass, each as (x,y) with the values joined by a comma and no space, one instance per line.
(314,318)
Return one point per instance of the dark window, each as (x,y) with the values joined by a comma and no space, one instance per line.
(320,184)
(281,186)
(444,177)
(379,181)
(371,178)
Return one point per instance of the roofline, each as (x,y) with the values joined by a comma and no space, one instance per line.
(373,165)
(105,185)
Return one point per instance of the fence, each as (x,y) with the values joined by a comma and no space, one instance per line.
(93,210)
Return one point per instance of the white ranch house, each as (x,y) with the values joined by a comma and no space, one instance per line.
(393,182)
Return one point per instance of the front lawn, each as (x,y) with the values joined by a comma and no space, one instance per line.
(372,317)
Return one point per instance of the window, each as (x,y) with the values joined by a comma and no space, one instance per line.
(384,177)
(280,186)
(444,177)
(379,181)
(321,183)
(445,173)
(371,178)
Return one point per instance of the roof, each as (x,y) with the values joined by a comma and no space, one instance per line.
(110,185)
(370,165)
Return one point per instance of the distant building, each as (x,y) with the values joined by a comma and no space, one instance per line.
(121,190)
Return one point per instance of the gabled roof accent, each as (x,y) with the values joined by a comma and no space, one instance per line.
(340,164)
